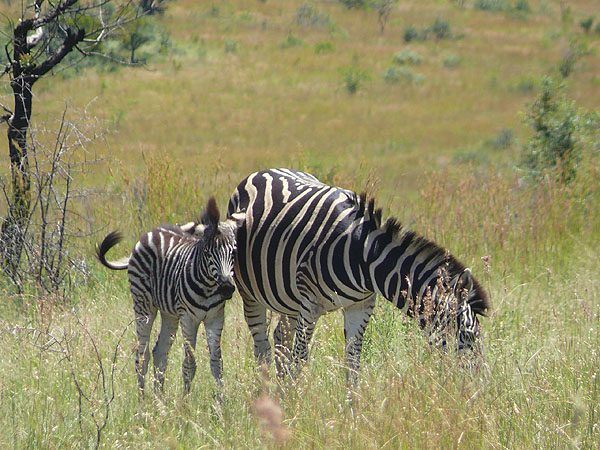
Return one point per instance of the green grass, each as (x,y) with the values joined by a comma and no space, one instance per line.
(199,119)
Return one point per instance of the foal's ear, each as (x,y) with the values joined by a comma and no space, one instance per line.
(193,228)
(211,214)
(465,281)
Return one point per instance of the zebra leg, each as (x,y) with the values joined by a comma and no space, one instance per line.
(160,353)
(214,327)
(256,318)
(305,327)
(189,329)
(145,314)
(283,337)
(356,318)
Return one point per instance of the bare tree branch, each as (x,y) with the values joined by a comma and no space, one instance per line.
(70,41)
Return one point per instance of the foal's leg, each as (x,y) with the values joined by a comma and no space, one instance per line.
(214,327)
(160,354)
(145,314)
(189,329)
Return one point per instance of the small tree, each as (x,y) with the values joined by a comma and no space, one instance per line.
(41,40)
(555,144)
(136,34)
(384,8)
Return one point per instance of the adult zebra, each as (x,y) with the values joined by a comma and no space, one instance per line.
(307,248)
(186,273)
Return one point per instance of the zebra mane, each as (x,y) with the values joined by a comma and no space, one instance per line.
(393,228)
(367,209)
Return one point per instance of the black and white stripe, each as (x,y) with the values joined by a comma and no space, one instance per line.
(307,248)
(186,273)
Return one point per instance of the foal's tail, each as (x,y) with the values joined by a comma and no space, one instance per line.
(110,241)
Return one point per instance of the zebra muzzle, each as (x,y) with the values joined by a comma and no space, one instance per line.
(226,289)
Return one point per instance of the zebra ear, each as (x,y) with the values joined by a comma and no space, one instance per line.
(237,219)
(211,215)
(465,281)
(196,229)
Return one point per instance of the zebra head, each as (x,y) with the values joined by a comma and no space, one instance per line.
(455,315)
(468,334)
(218,250)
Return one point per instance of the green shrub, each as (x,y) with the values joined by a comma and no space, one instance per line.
(324,47)
(353,78)
(395,74)
(491,5)
(586,24)
(231,46)
(555,144)
(597,28)
(522,6)
(407,57)
(525,85)
(570,57)
(441,28)
(308,16)
(355,4)
(504,139)
(214,11)
(411,34)
(292,41)
(450,61)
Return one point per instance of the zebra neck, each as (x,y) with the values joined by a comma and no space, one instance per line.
(402,268)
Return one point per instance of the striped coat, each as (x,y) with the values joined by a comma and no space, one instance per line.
(307,248)
(186,273)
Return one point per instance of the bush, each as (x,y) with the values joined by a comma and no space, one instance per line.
(292,41)
(307,15)
(491,5)
(394,75)
(355,4)
(324,47)
(504,139)
(441,28)
(353,78)
(450,61)
(522,6)
(587,24)
(571,56)
(411,34)
(557,129)
(407,57)
(231,46)
(524,85)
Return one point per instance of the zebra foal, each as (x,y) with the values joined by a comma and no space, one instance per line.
(185,272)
(307,248)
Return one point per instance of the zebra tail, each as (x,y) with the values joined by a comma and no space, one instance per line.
(110,241)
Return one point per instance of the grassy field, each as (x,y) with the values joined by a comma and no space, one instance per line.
(239,86)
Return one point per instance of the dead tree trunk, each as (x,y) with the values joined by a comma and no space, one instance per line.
(14,225)
(24,73)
